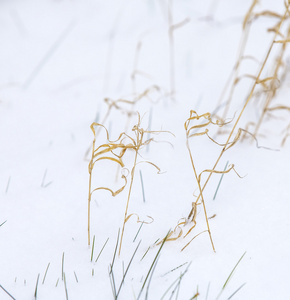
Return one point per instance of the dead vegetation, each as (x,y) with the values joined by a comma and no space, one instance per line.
(197,125)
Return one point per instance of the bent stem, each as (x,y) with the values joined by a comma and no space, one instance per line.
(201,195)
(236,69)
(129,194)
(257,81)
(271,94)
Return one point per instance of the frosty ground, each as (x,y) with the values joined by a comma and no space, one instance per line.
(59,60)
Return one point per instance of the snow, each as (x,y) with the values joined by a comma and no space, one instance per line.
(59,60)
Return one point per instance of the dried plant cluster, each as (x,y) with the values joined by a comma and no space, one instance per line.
(263,88)
(114,151)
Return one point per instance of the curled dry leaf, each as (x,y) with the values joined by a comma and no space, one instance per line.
(138,219)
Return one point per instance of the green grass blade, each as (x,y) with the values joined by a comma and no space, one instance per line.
(151,267)
(220,181)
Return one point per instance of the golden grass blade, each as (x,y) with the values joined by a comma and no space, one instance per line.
(97,155)
(268,13)
(279,107)
(111,191)
(229,144)
(249,13)
(231,167)
(177,230)
(138,219)
(278,65)
(118,161)
(282,41)
(138,143)
(226,147)
(266,79)
(152,164)
(199,133)
(193,239)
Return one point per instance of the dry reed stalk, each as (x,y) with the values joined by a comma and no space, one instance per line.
(171,28)
(234,76)
(272,89)
(229,144)
(114,151)
(135,70)
(287,134)
(193,131)
(135,65)
(131,111)
(235,72)
(105,152)
(138,143)
(119,106)
(171,51)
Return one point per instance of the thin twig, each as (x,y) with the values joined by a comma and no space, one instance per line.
(121,284)
(150,269)
(7,186)
(149,281)
(49,54)
(112,280)
(76,277)
(102,249)
(236,291)
(62,266)
(230,276)
(45,273)
(92,253)
(207,291)
(65,287)
(6,292)
(3,223)
(115,252)
(142,184)
(136,233)
(36,286)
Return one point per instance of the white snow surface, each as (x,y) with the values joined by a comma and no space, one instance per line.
(59,59)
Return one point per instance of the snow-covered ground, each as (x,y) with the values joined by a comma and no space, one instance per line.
(59,60)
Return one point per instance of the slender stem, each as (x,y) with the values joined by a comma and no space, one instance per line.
(129,195)
(201,194)
(273,89)
(143,192)
(90,193)
(99,129)
(171,50)
(236,70)
(7,292)
(242,111)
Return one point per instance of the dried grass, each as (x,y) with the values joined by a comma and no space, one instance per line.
(205,121)
(114,151)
